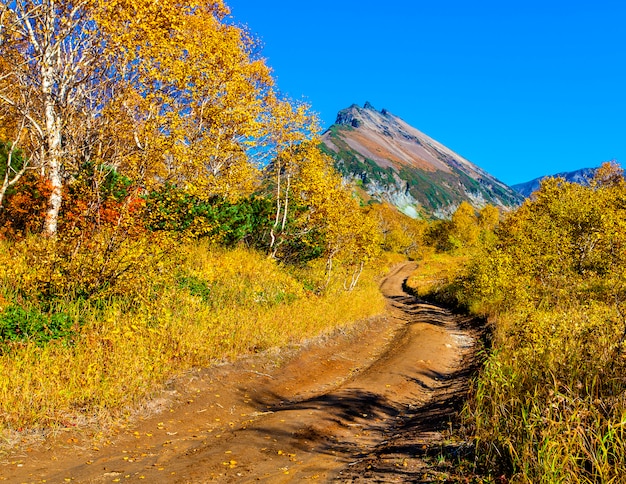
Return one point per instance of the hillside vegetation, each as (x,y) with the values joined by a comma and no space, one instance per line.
(162,206)
(549,404)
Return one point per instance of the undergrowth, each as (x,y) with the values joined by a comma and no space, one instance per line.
(549,406)
(152,309)
(436,273)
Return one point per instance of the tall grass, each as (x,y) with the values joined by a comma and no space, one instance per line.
(550,403)
(174,309)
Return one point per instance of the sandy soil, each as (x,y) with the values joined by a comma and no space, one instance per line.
(372,404)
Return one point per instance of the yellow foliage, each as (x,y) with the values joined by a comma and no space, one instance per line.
(201,305)
(465,224)
(164,92)
(351,234)
(436,271)
(550,399)
(200,108)
(401,234)
(488,217)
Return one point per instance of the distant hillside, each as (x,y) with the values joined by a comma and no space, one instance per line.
(395,162)
(582,176)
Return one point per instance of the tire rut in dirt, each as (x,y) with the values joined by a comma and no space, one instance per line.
(385,422)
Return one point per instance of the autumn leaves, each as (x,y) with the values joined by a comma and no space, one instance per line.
(161,95)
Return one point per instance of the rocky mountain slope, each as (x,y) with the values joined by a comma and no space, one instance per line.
(582,176)
(395,162)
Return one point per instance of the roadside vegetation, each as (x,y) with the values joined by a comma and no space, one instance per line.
(549,404)
(98,319)
(162,207)
(67,359)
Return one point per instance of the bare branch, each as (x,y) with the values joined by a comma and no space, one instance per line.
(24,113)
(10,180)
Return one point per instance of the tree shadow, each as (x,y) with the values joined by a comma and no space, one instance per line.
(399,428)
(426,435)
(336,412)
(399,431)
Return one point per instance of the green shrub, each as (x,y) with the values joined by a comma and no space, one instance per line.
(19,324)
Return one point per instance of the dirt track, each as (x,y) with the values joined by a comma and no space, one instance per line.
(368,405)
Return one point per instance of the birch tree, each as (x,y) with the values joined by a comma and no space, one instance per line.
(351,234)
(200,100)
(55,61)
(166,92)
(292,127)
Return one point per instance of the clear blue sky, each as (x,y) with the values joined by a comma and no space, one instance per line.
(522,88)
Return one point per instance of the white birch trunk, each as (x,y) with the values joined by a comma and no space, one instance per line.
(53,136)
(273,247)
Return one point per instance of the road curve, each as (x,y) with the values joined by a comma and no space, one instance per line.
(333,410)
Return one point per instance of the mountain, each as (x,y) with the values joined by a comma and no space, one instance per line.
(582,176)
(395,162)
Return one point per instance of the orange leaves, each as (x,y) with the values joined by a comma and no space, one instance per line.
(24,209)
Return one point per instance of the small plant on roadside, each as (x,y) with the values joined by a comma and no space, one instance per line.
(19,325)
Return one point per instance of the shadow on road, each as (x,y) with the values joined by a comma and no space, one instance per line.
(421,449)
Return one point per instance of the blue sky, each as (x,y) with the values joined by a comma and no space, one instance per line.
(520,88)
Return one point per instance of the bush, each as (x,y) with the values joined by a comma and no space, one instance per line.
(25,207)
(172,209)
(111,262)
(19,325)
(550,403)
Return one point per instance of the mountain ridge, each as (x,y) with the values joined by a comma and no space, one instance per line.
(397,163)
(582,176)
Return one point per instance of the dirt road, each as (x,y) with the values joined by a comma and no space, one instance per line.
(370,405)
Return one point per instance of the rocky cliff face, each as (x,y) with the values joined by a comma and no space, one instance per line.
(395,162)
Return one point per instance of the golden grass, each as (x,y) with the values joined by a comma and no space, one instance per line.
(436,271)
(215,304)
(549,405)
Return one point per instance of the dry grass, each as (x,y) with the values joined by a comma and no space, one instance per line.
(549,406)
(436,272)
(201,306)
